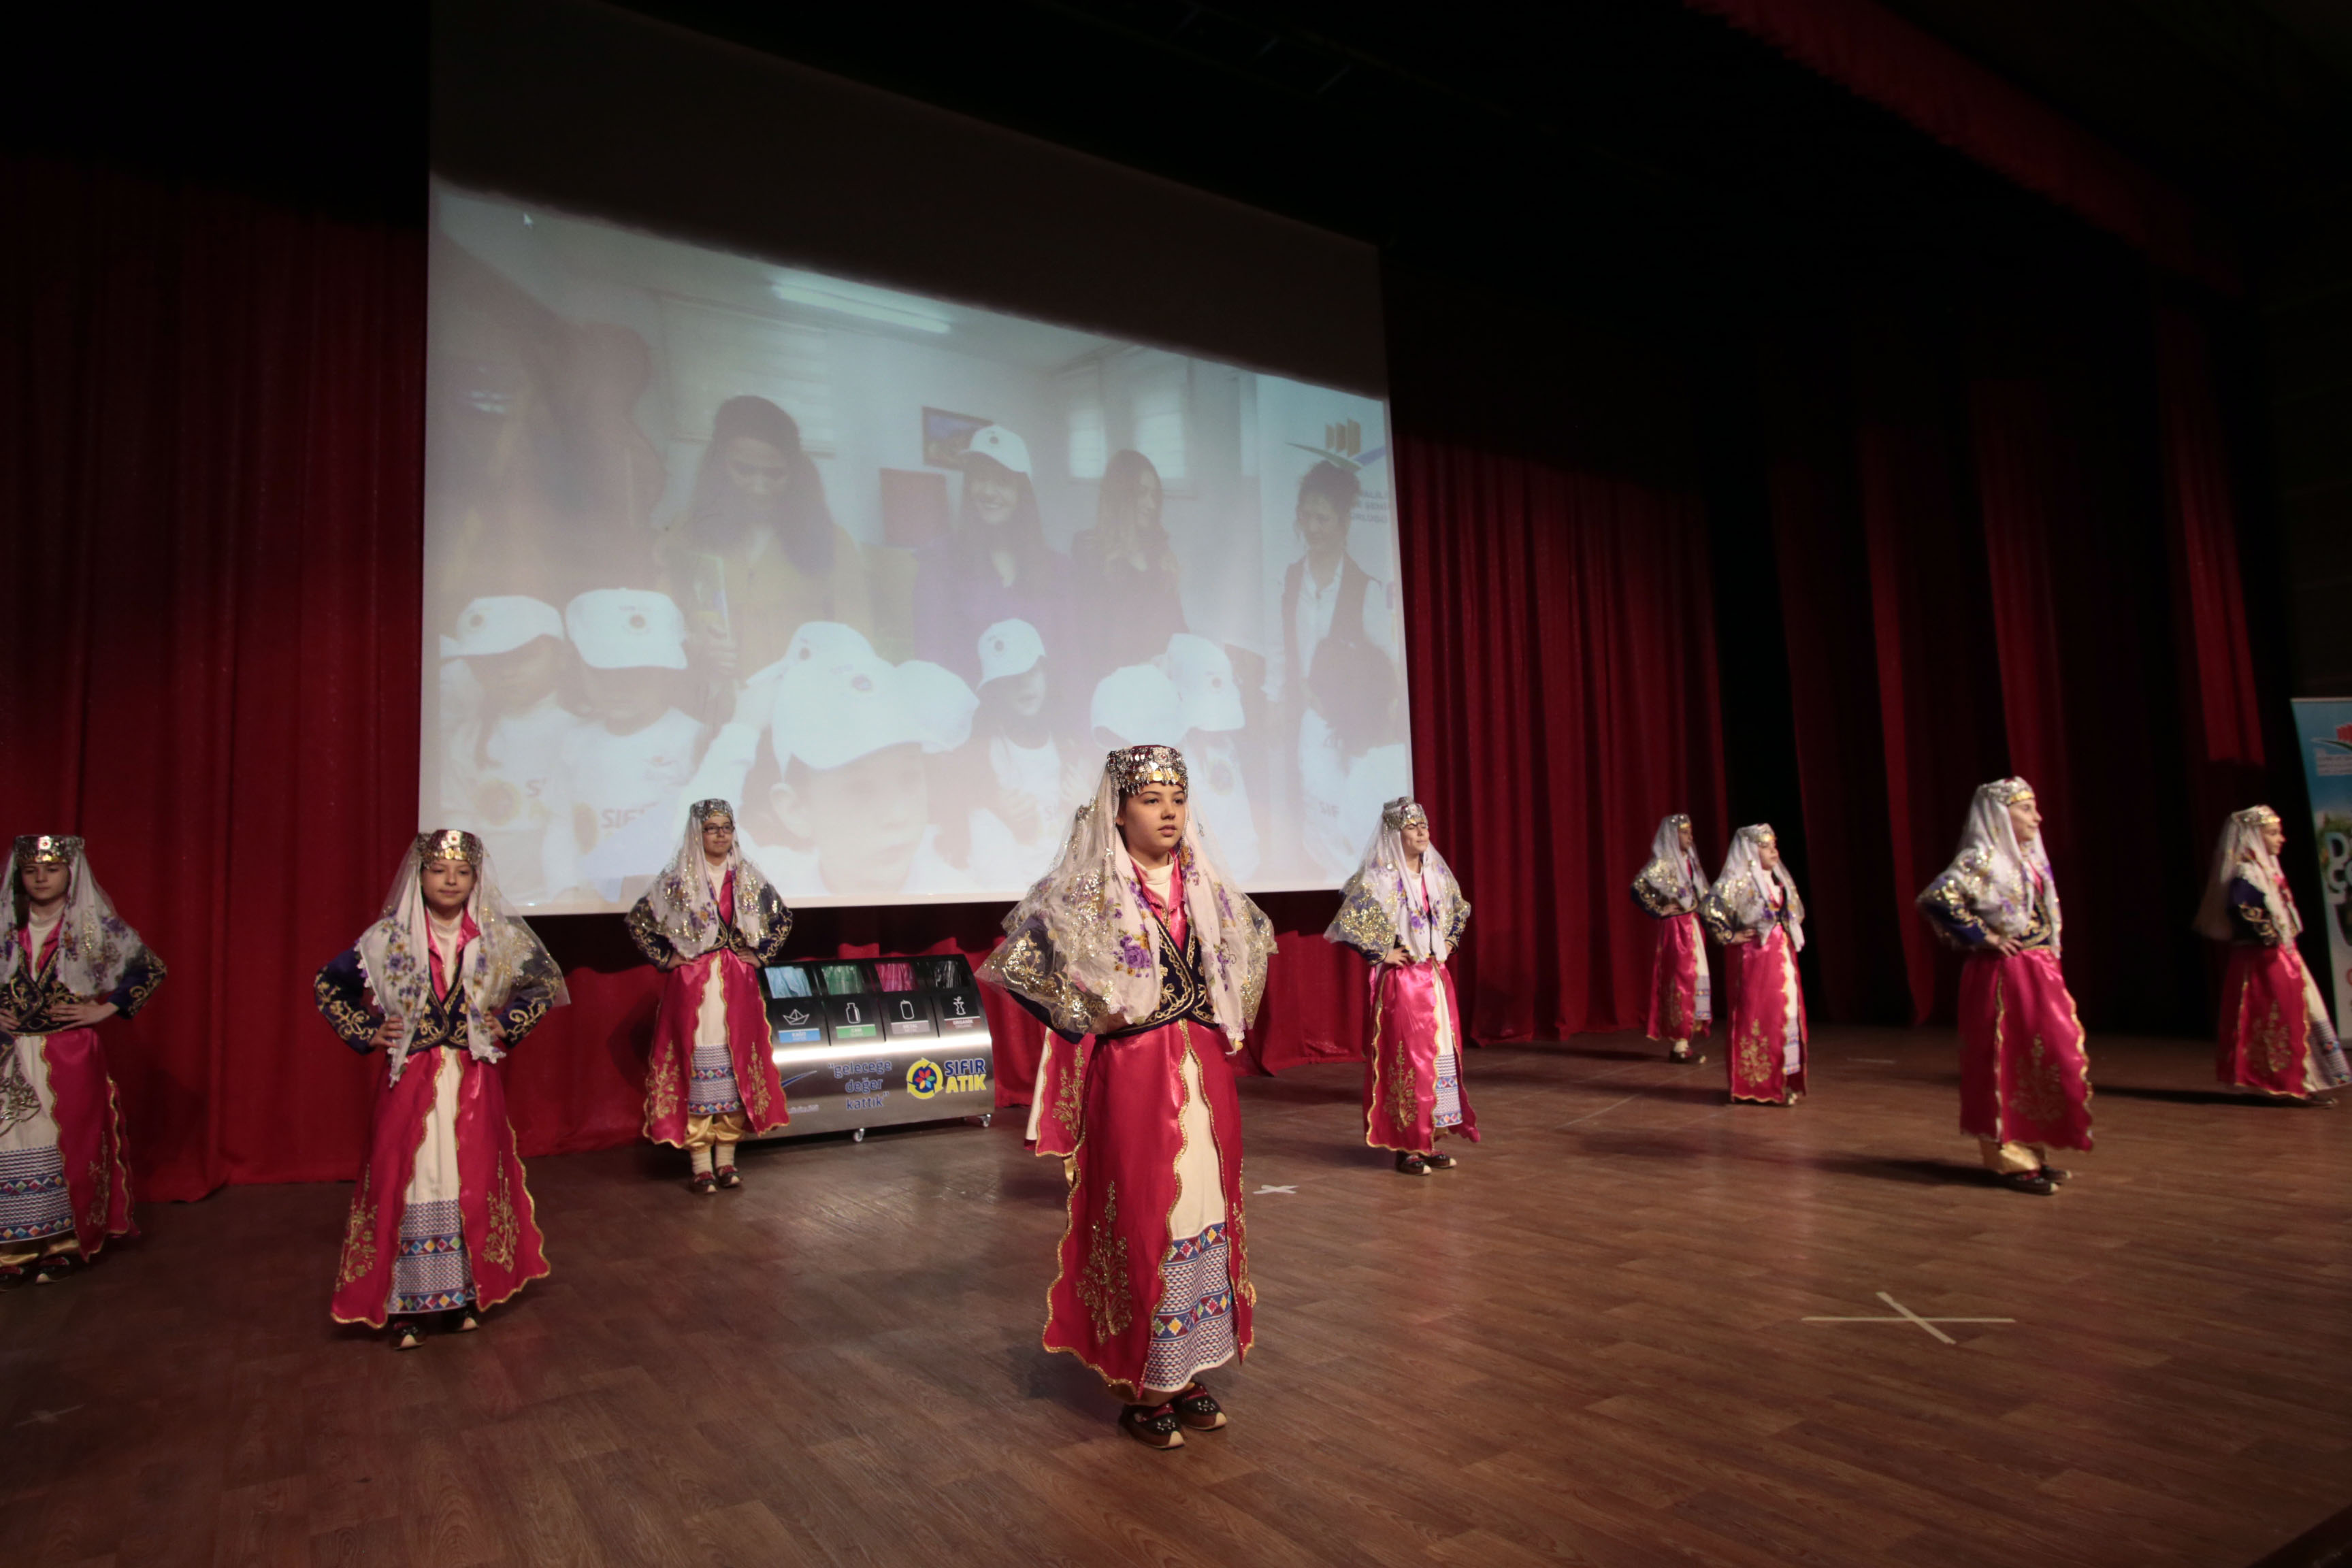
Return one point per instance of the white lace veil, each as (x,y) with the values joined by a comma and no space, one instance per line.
(397,951)
(95,945)
(1740,887)
(680,899)
(1667,870)
(2241,851)
(1991,837)
(1090,912)
(1382,884)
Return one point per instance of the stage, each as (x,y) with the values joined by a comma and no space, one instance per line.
(1589,1343)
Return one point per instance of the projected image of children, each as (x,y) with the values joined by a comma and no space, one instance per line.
(680,502)
(758,554)
(1211,702)
(624,770)
(995,566)
(1027,777)
(1336,622)
(1124,571)
(1136,705)
(509,687)
(851,737)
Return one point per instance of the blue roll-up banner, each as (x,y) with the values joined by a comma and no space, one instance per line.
(2323,728)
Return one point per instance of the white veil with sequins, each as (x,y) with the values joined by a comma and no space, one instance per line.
(504,957)
(95,945)
(1080,946)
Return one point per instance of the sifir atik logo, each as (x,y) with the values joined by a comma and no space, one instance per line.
(958,1074)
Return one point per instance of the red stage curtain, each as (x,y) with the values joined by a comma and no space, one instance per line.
(2224,721)
(1561,634)
(1969,508)
(1938,693)
(210,425)
(1825,593)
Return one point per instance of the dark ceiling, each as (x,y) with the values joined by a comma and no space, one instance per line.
(1529,139)
(1571,146)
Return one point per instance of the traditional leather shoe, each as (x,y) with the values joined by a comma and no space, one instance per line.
(1440,1162)
(52,1269)
(1198,1409)
(408,1333)
(1153,1425)
(2032,1181)
(729,1177)
(13,1275)
(2056,1173)
(1412,1165)
(466,1321)
(702,1184)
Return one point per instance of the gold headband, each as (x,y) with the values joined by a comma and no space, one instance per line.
(703,811)
(1403,813)
(46,849)
(1140,765)
(2259,816)
(449,843)
(2009,792)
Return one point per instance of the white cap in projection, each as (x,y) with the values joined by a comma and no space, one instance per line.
(1139,705)
(626,628)
(1205,681)
(994,441)
(1009,647)
(830,714)
(502,623)
(829,643)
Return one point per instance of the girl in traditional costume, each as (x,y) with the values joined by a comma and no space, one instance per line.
(711,922)
(2025,1083)
(1139,944)
(1405,912)
(445,983)
(1754,911)
(68,963)
(1669,889)
(2275,1034)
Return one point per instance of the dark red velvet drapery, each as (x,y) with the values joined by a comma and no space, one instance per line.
(211,435)
(1560,628)
(2007,545)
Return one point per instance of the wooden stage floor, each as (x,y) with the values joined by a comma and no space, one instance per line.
(1589,1344)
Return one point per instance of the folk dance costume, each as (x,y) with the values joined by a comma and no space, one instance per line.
(1668,889)
(711,929)
(1413,1070)
(1754,911)
(2025,1085)
(440,1221)
(2275,1034)
(65,1185)
(1152,1286)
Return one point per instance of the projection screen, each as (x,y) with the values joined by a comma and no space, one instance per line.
(890,573)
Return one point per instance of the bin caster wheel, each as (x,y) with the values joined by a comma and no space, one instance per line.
(987,1118)
(858,1136)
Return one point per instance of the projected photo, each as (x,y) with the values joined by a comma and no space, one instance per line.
(889,572)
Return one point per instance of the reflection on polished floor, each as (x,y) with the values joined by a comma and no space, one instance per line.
(1587,1345)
